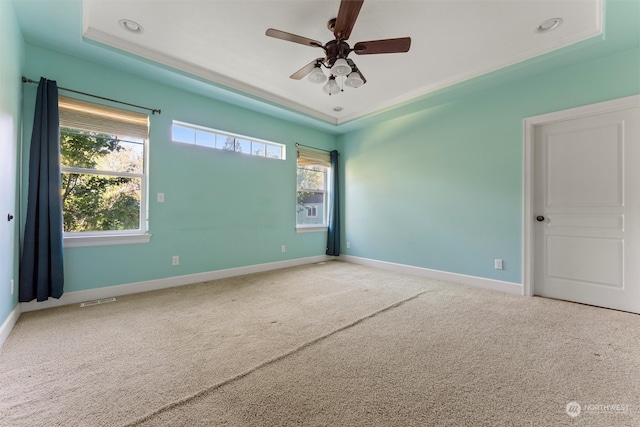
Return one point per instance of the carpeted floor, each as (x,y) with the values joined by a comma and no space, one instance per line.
(331,344)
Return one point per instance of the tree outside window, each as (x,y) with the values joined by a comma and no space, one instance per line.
(102,162)
(311,196)
(101,181)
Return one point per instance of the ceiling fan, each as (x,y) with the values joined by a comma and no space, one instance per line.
(337,51)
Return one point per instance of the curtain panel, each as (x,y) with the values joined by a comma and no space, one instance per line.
(41,264)
(333,233)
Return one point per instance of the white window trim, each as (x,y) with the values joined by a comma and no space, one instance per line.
(311,228)
(250,139)
(114,237)
(74,239)
(79,241)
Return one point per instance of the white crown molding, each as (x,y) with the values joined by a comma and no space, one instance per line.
(229,82)
(195,70)
(460,279)
(521,57)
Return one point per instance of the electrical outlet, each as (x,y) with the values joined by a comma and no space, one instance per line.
(175,260)
(498,264)
(160,197)
(348,245)
(11,286)
(283,249)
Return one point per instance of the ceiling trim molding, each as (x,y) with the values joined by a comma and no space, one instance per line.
(529,54)
(211,76)
(261,95)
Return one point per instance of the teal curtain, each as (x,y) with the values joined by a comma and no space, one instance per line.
(41,264)
(333,236)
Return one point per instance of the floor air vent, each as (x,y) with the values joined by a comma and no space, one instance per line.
(97,301)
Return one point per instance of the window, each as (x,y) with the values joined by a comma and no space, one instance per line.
(312,185)
(212,138)
(102,160)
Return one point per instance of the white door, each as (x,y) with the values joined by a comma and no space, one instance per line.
(587,209)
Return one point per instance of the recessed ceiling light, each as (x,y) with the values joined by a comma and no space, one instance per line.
(131,26)
(337,109)
(549,25)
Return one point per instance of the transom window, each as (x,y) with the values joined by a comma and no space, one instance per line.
(102,161)
(198,135)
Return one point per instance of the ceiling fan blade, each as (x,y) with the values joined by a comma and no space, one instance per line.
(347,15)
(283,35)
(304,71)
(383,46)
(362,77)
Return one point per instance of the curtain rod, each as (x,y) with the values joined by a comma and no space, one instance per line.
(153,110)
(313,148)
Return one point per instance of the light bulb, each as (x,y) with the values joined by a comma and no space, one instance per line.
(354,80)
(317,76)
(341,67)
(331,87)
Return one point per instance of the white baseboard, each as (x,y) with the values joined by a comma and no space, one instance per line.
(77,297)
(170,282)
(9,323)
(473,281)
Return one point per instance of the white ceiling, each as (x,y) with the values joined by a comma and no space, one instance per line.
(452,41)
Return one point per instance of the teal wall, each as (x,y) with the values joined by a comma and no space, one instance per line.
(434,183)
(11,59)
(221,209)
(441,188)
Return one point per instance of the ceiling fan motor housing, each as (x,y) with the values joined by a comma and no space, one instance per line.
(336,49)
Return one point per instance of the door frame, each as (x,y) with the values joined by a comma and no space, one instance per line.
(529,127)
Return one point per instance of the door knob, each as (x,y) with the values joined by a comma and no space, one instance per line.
(540,218)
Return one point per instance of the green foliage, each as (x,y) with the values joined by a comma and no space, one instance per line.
(92,201)
(83,149)
(232,144)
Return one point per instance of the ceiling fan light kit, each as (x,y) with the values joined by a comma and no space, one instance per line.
(340,67)
(332,87)
(354,80)
(316,76)
(337,50)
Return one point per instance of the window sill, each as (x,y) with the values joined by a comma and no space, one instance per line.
(106,240)
(311,228)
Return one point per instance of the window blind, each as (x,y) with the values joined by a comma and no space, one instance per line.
(90,116)
(308,157)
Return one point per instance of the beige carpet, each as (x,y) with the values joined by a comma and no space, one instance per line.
(331,344)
